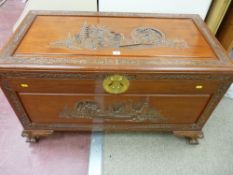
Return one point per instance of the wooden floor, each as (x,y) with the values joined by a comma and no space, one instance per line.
(62,153)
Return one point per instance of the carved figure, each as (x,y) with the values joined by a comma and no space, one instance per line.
(128,110)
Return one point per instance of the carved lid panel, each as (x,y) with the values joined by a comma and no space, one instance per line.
(121,36)
(57,38)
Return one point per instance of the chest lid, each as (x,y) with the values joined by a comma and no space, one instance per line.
(107,41)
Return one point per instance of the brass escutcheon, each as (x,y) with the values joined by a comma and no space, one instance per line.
(116,84)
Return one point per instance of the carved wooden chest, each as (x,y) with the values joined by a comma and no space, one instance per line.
(104,71)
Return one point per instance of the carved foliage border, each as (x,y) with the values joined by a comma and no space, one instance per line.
(106,61)
(130,76)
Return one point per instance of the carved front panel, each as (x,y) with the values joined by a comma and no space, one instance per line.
(78,108)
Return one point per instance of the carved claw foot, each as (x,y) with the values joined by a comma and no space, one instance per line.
(193,136)
(32,139)
(33,136)
(193,141)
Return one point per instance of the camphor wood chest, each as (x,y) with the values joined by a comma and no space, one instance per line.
(103,71)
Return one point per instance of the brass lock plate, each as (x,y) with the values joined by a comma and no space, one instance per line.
(116,84)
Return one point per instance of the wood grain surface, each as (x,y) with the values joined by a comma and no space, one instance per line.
(54,77)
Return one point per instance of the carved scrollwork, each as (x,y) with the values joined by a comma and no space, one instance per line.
(128,110)
(101,76)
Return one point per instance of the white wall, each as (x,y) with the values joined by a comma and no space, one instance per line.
(65,5)
(156,6)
